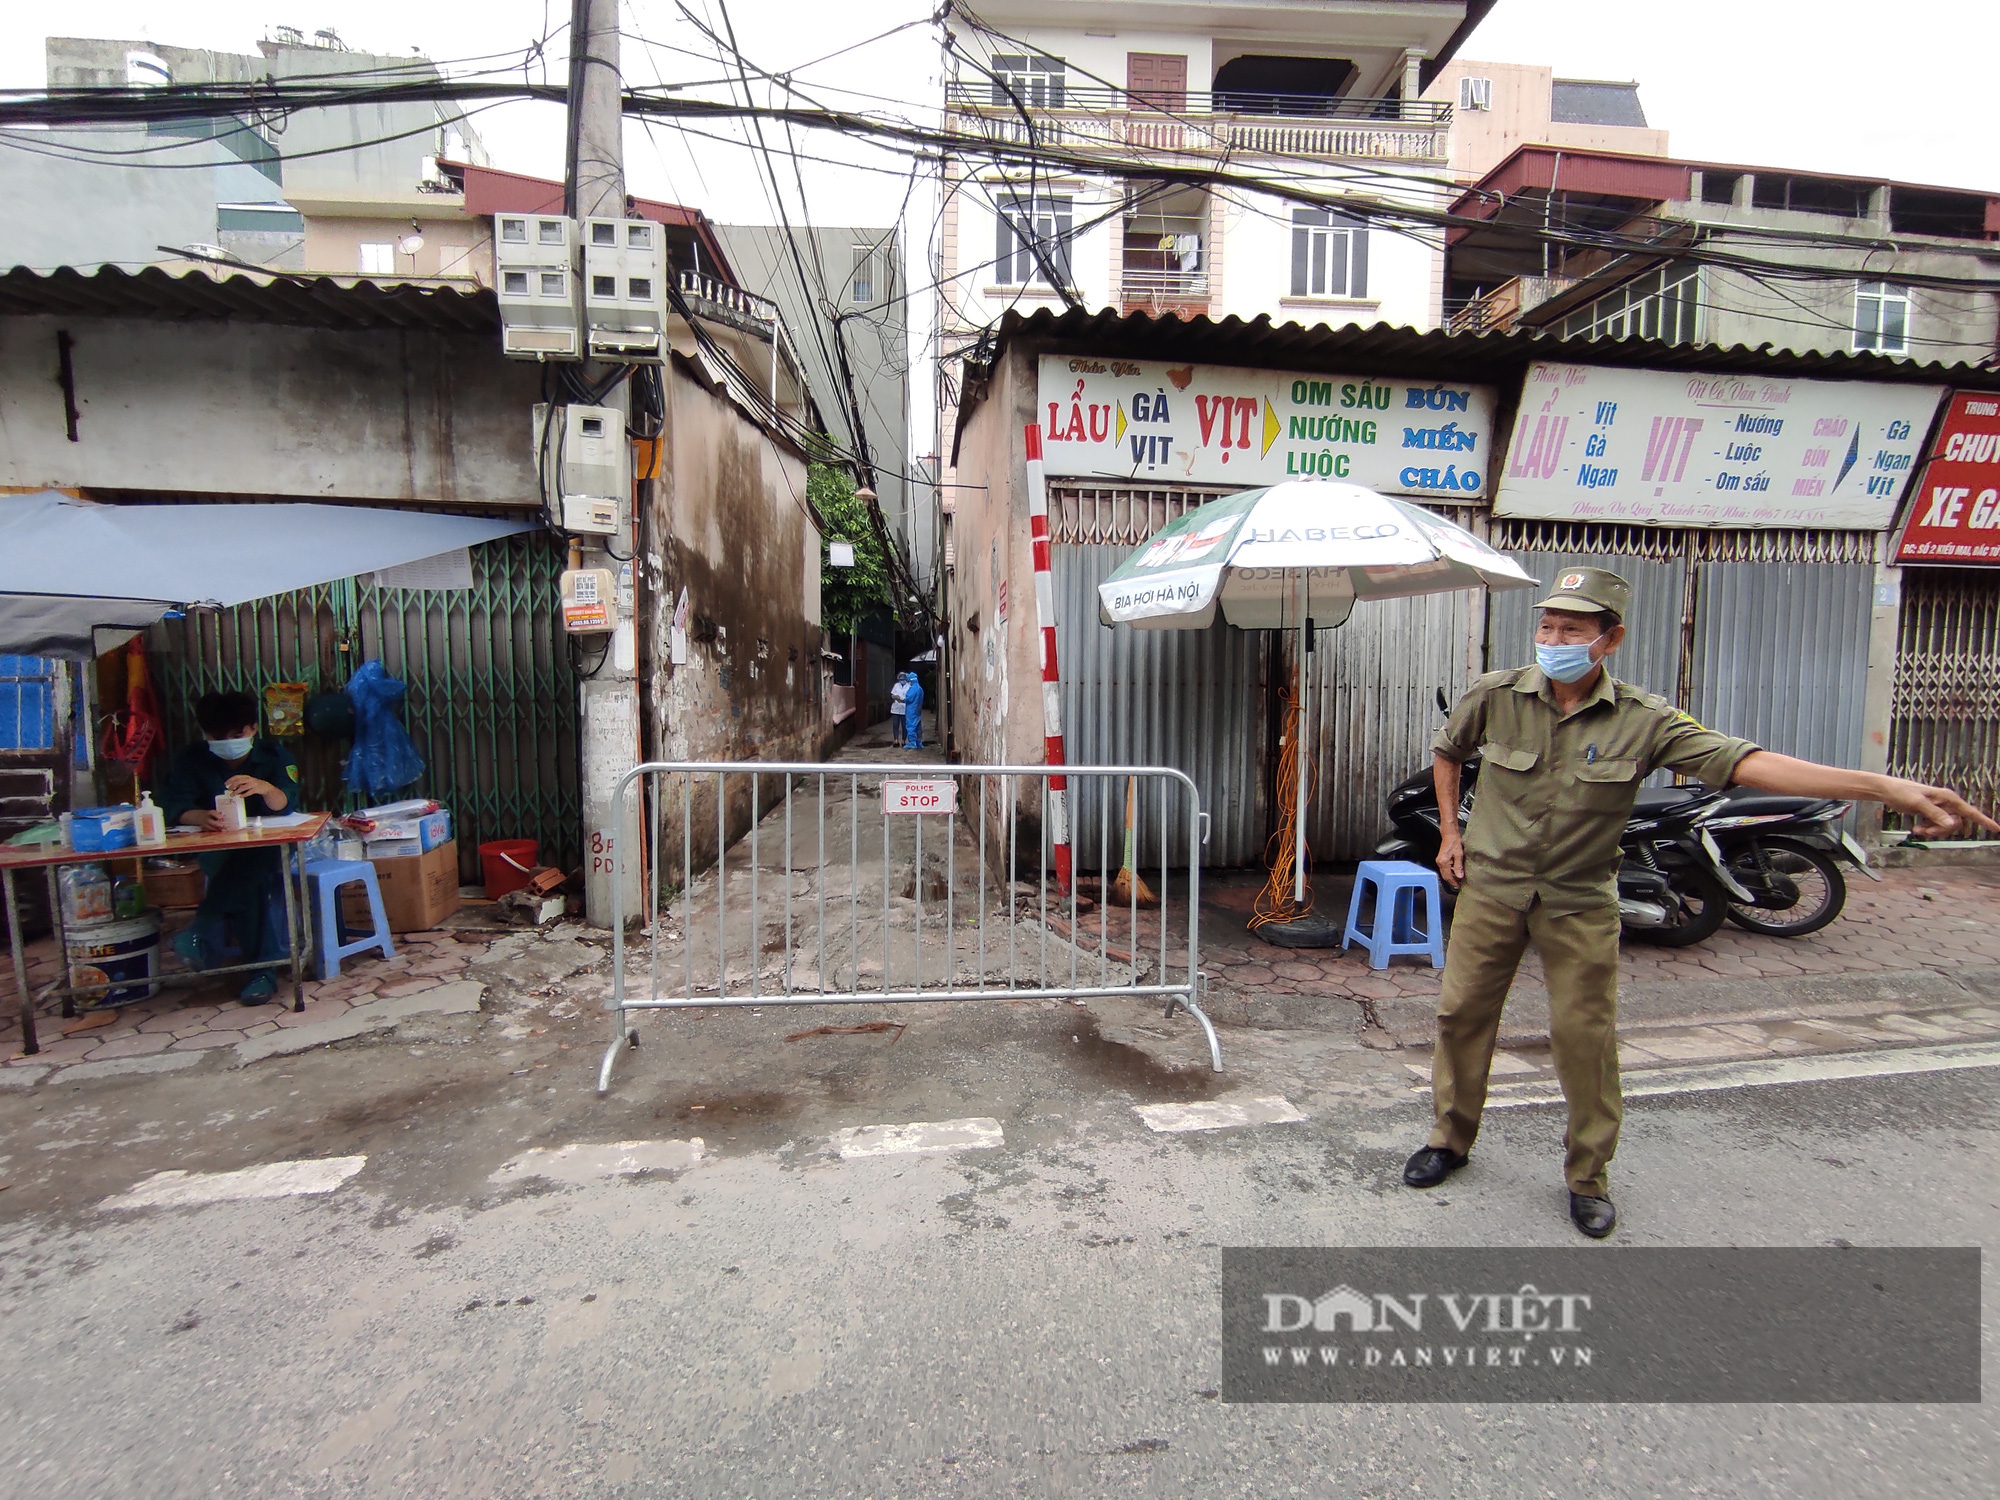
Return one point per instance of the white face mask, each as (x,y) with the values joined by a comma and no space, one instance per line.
(234,749)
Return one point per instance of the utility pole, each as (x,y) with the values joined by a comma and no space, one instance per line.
(608,706)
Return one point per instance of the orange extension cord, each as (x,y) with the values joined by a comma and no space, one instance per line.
(1274,904)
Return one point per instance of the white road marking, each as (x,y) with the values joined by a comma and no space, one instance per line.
(979,1134)
(580,1162)
(1758,1072)
(1219,1114)
(276,1179)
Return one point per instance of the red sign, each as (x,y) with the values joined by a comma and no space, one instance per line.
(1955,509)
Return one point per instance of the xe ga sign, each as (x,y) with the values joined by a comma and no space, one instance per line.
(1596,444)
(1955,517)
(1214,424)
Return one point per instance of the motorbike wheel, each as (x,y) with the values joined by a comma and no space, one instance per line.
(1704,903)
(1822,890)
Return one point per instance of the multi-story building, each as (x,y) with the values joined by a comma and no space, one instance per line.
(1499,107)
(1324,97)
(230,188)
(1727,254)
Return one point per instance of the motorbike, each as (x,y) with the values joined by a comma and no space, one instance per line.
(1786,852)
(1674,886)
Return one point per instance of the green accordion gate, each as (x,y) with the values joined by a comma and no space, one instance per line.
(492,699)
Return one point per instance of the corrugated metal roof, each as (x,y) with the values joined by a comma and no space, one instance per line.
(1383,348)
(251,297)
(1584,101)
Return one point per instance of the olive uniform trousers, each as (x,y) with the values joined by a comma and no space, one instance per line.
(1579,953)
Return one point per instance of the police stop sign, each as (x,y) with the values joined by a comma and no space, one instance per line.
(940,796)
(1955,506)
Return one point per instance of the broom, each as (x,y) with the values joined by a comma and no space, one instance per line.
(1127,888)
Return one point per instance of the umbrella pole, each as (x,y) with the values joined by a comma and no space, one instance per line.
(1299,814)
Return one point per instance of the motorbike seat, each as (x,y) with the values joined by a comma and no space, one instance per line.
(1654,801)
(1752,804)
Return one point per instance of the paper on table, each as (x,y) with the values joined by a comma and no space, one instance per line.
(276,820)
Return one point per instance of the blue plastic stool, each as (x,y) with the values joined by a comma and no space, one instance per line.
(324,878)
(1393,928)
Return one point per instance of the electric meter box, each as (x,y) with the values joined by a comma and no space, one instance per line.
(625,288)
(534,268)
(589,516)
(589,601)
(582,458)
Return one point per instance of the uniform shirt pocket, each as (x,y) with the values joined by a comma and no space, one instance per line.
(1508,757)
(1608,784)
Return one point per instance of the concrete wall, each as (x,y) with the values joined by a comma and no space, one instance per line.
(262,409)
(726,523)
(1256,267)
(63,211)
(996,677)
(1818,316)
(1520,116)
(387,165)
(454,246)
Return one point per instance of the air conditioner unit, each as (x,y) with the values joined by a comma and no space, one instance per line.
(581,454)
(1475,93)
(534,273)
(624,288)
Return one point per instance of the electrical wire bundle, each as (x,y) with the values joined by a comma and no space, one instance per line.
(1274,905)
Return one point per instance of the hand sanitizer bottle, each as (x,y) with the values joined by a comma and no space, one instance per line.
(150,823)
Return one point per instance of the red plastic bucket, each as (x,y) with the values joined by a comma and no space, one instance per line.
(506,863)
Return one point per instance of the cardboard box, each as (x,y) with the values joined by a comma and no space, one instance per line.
(418,891)
(393,848)
(422,831)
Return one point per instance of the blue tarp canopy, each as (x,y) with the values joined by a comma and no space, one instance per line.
(71,568)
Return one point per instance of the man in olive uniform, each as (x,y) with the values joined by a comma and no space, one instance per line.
(1563,748)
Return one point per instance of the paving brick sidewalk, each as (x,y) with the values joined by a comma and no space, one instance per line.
(193,1018)
(1943,920)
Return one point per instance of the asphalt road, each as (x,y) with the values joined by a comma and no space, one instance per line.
(1040,1318)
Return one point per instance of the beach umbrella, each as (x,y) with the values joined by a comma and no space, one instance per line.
(1296,555)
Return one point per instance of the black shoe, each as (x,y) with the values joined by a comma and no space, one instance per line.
(1430,1166)
(1594,1216)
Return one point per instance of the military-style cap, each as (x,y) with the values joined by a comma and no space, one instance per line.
(1589,591)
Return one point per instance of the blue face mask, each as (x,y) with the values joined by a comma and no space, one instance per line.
(232,749)
(1565,663)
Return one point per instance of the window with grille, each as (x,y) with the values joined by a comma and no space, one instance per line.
(862,288)
(1475,93)
(1036,81)
(1664,304)
(1329,254)
(1881,317)
(1027,222)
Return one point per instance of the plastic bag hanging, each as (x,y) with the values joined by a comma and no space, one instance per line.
(383,760)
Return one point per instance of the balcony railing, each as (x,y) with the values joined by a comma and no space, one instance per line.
(1502,307)
(1163,291)
(1197,122)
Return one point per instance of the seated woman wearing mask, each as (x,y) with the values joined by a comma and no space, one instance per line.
(241,918)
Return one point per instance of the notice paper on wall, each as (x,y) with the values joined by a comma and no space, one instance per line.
(447,570)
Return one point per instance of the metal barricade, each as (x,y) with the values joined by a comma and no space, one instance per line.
(771,897)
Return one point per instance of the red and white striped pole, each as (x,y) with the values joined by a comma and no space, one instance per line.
(1045,618)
